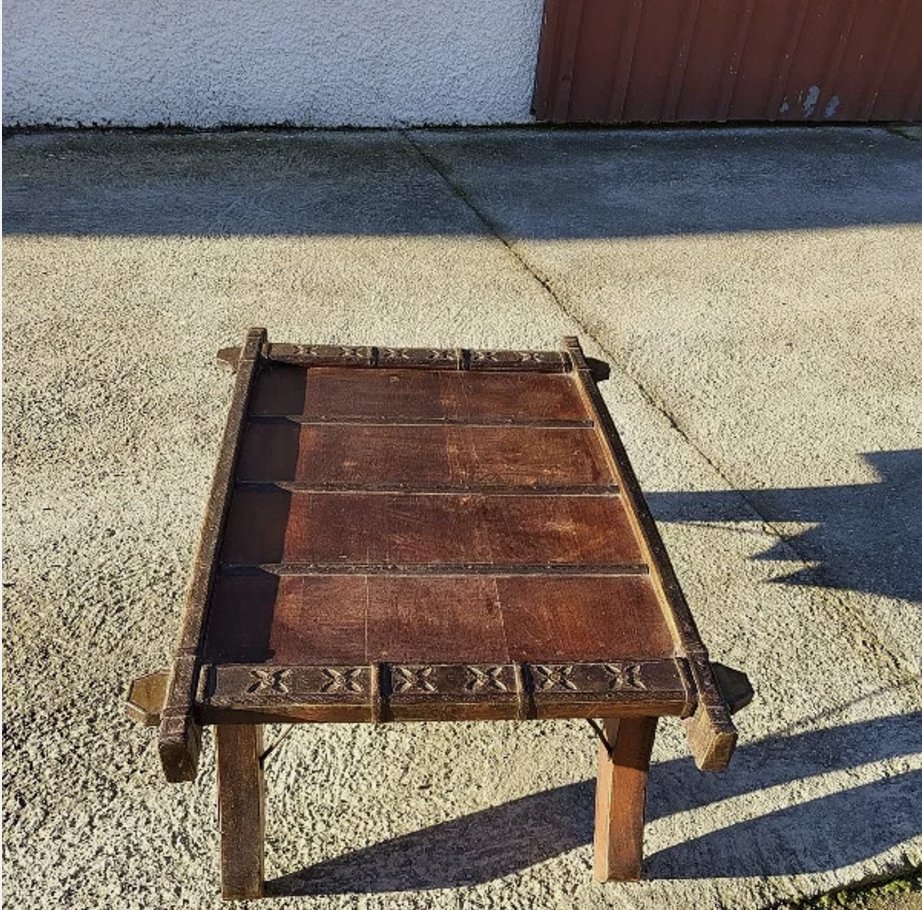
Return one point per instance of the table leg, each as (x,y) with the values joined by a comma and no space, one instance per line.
(619,797)
(241,809)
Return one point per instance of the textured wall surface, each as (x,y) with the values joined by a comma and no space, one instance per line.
(323,62)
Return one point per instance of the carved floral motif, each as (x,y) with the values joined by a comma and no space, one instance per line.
(342,679)
(412,679)
(485,679)
(269,681)
(549,677)
(624,676)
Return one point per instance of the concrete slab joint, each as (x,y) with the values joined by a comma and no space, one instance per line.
(756,293)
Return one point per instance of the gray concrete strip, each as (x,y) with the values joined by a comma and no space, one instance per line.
(113,412)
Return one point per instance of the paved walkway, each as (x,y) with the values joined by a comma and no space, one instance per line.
(758,295)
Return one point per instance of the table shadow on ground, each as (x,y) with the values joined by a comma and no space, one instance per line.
(787,839)
(863,537)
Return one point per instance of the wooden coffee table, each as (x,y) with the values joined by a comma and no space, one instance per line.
(414,534)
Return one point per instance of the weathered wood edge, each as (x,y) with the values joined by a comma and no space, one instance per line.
(241,788)
(180,732)
(387,691)
(417,358)
(619,570)
(229,357)
(711,732)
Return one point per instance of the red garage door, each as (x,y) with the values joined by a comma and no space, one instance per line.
(666,61)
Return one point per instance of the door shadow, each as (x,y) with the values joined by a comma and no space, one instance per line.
(820,834)
(863,537)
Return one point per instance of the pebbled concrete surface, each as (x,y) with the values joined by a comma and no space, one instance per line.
(129,259)
(785,346)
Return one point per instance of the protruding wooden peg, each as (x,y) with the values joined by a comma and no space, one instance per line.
(599,369)
(229,357)
(735,686)
(146,695)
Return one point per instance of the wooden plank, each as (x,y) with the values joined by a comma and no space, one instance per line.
(549,619)
(246,620)
(429,489)
(356,529)
(241,810)
(387,394)
(538,424)
(356,619)
(180,734)
(434,620)
(711,733)
(442,569)
(620,796)
(438,455)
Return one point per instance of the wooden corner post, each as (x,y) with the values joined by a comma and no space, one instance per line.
(180,733)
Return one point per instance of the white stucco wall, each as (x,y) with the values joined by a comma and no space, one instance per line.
(305,62)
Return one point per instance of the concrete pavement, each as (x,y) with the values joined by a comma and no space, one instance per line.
(757,294)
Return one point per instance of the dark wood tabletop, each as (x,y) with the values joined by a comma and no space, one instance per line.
(403,534)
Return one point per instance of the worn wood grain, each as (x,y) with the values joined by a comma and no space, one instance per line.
(400,395)
(345,528)
(621,792)
(446,455)
(358,618)
(180,735)
(241,810)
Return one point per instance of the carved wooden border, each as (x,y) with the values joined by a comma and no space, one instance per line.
(418,358)
(413,690)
